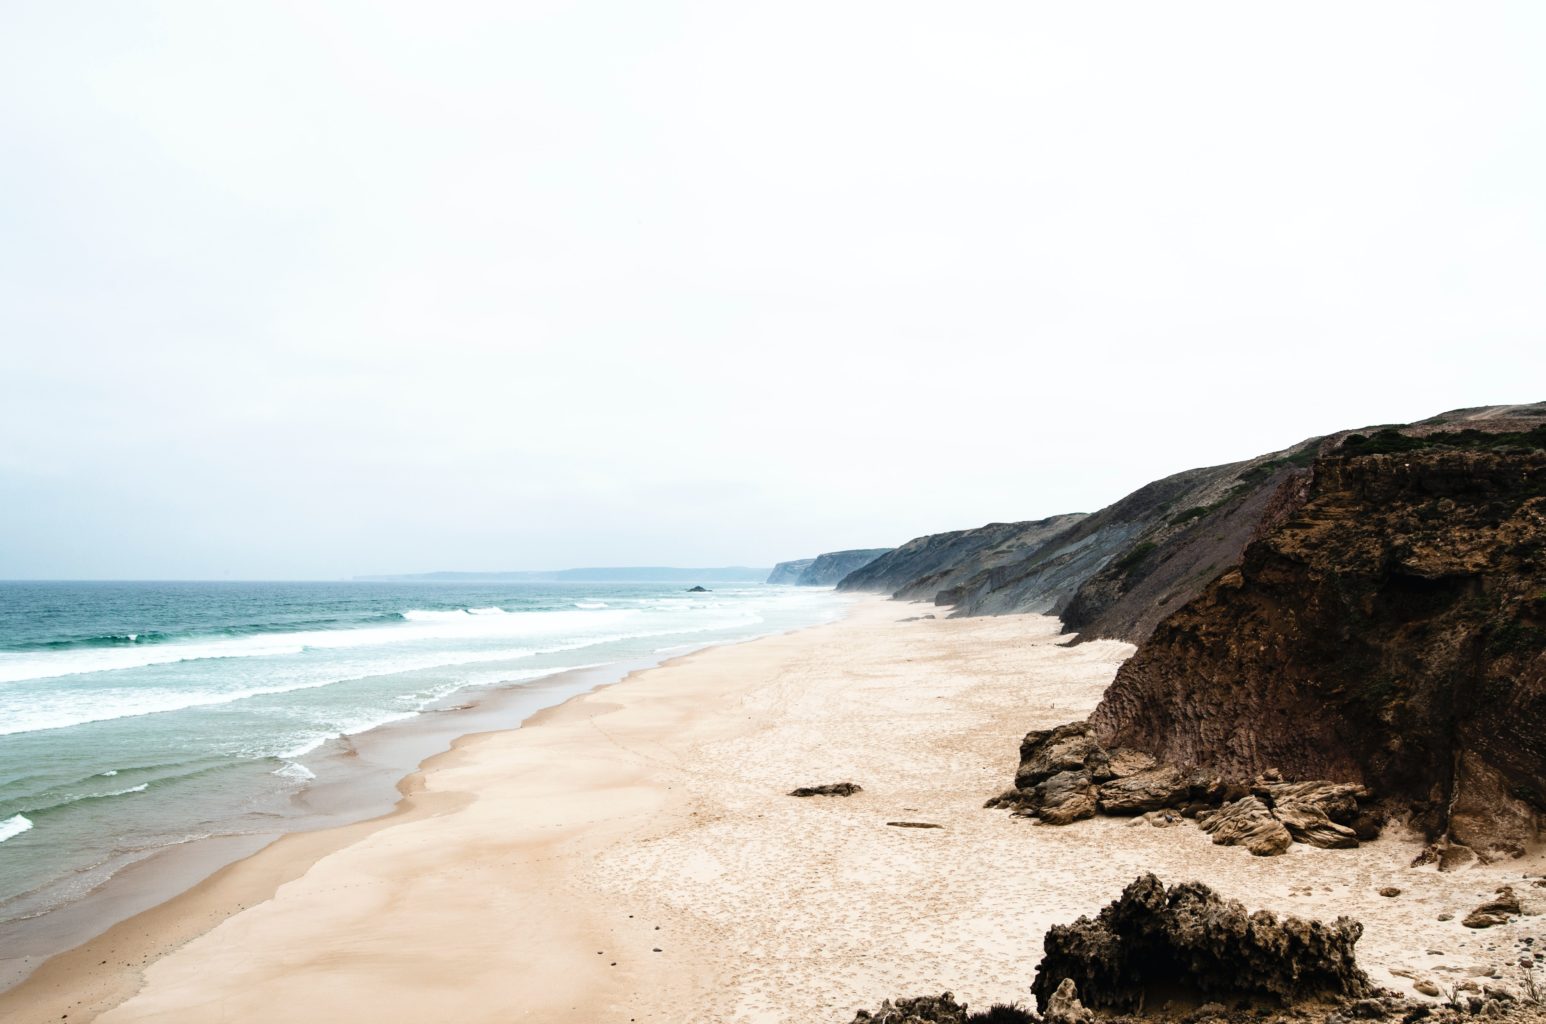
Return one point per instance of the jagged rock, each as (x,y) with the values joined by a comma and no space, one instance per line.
(1495,911)
(830,789)
(1189,939)
(1065,797)
(1247,822)
(1336,800)
(1308,824)
(941,1009)
(1064,1006)
(1046,752)
(1427,988)
(1447,854)
(1147,790)
(1390,891)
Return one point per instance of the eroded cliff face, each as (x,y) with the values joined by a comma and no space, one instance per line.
(828,569)
(1387,627)
(923,566)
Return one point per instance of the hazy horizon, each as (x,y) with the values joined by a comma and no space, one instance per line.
(321,291)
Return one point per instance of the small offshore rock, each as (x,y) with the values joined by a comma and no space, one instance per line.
(830,789)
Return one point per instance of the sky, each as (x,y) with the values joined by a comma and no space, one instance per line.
(310,290)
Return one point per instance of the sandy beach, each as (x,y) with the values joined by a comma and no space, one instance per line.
(631,855)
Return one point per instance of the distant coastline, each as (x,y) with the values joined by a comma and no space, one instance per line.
(613,574)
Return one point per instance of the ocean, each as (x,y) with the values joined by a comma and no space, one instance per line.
(140,716)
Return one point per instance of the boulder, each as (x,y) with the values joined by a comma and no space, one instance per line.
(1308,824)
(1247,822)
(1337,801)
(1046,752)
(1064,1006)
(1065,797)
(1187,941)
(1495,911)
(1147,790)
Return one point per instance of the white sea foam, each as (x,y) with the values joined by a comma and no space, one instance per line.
(291,770)
(418,627)
(590,605)
(109,774)
(14,826)
(132,789)
(319,658)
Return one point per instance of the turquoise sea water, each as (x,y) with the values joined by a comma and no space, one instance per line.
(134,716)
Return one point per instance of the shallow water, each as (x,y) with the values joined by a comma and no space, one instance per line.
(135,716)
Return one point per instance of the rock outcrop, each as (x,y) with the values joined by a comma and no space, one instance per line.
(1385,630)
(1154,944)
(1066,774)
(825,570)
(1496,911)
(941,1009)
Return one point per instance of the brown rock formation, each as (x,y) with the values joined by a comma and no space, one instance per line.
(1189,940)
(1387,629)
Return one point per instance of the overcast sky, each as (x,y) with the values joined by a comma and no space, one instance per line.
(310,290)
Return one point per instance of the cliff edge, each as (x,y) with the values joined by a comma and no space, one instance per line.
(1385,626)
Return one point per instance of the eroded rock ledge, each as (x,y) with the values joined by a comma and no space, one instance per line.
(1066,775)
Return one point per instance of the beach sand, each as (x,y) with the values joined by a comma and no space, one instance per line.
(631,856)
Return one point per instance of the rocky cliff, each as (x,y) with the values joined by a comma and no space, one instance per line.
(829,569)
(1385,627)
(924,566)
(1114,573)
(824,570)
(788,573)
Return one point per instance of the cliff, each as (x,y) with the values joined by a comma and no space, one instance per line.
(824,570)
(1118,572)
(788,573)
(1114,573)
(829,569)
(1385,627)
(923,566)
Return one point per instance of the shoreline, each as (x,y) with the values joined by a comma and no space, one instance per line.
(362,778)
(630,854)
